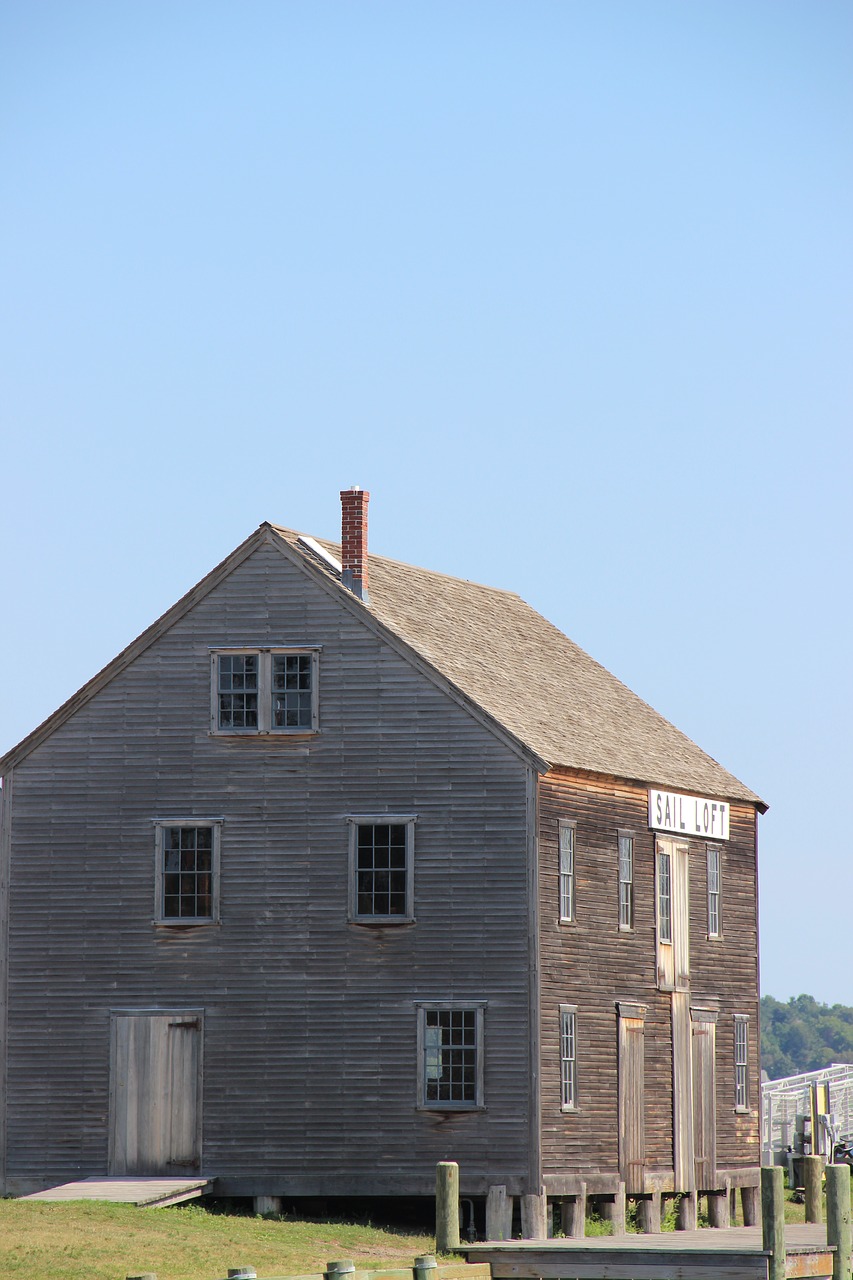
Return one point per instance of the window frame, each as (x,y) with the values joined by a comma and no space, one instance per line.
(357,820)
(569,1063)
(478,1007)
(566,878)
(625,925)
(161,825)
(665,937)
(715,897)
(741,1062)
(265,654)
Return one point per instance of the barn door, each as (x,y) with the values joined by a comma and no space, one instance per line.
(632,1129)
(704,1034)
(155,1112)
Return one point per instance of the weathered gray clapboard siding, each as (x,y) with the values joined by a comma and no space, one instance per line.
(592,964)
(309,1031)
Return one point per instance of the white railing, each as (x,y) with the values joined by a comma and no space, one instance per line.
(783,1101)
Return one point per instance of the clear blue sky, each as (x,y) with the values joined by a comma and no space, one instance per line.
(567,286)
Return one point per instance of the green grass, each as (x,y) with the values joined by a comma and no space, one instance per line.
(93,1240)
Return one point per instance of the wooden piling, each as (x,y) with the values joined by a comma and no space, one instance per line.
(446,1206)
(838,1227)
(687,1218)
(773,1221)
(498,1214)
(812,1178)
(533,1212)
(573,1214)
(649,1208)
(425,1266)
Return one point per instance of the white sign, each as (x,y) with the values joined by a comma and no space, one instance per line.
(688,815)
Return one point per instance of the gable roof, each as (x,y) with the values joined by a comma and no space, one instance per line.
(534,681)
(502,657)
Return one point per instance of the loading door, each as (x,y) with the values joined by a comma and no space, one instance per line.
(632,1131)
(155,1096)
(704,1035)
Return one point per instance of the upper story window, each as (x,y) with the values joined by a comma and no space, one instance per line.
(741,1062)
(381,869)
(664,897)
(450,1055)
(715,928)
(567,871)
(264,690)
(187,872)
(568,1058)
(626,880)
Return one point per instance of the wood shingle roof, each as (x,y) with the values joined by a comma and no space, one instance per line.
(532,679)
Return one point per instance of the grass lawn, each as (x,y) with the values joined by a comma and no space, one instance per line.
(93,1240)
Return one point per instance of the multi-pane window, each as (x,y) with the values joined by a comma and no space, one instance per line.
(264,691)
(626,881)
(741,1062)
(187,872)
(567,871)
(664,896)
(381,873)
(714,923)
(568,1058)
(450,1043)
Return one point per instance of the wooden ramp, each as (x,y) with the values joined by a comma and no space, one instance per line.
(152,1193)
(708,1254)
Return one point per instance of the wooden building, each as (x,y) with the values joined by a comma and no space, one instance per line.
(345,867)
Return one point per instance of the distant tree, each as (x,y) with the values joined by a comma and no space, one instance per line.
(803,1035)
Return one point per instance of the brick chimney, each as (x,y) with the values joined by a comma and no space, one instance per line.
(354,540)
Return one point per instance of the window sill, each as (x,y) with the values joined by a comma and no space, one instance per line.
(381,922)
(263,733)
(205,922)
(566,920)
(450,1108)
(715,937)
(570,1111)
(626,928)
(742,1111)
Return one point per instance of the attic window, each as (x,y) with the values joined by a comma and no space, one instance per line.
(261,691)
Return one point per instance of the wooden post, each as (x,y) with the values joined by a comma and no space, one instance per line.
(446,1206)
(267,1204)
(143,1275)
(749,1205)
(812,1178)
(688,1214)
(533,1209)
(425,1266)
(573,1214)
(719,1207)
(838,1228)
(344,1267)
(773,1221)
(498,1214)
(244,1273)
(613,1211)
(650,1213)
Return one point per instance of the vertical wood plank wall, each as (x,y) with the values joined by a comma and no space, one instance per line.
(309,1048)
(592,964)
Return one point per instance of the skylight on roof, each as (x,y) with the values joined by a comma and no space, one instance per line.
(313,545)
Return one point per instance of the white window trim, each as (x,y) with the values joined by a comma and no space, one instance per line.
(183,922)
(569,1011)
(422,1007)
(660,854)
(567,878)
(265,654)
(715,934)
(623,834)
(357,820)
(741,1019)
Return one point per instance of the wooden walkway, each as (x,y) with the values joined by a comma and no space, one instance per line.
(151,1193)
(708,1254)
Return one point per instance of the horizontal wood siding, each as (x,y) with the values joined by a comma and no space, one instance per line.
(309,1022)
(592,964)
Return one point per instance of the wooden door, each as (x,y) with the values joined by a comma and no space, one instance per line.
(632,1098)
(682,1094)
(703,1024)
(155,1101)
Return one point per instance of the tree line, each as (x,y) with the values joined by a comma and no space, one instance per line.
(803,1035)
